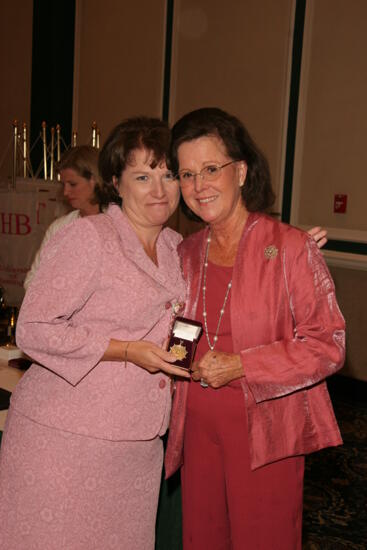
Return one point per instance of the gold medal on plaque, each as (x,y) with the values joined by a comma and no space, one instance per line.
(179,351)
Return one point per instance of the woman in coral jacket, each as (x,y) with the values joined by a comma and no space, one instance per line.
(273,332)
(81,455)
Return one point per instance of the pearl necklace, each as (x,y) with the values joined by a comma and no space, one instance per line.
(212,345)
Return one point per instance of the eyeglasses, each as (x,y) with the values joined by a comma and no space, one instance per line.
(208,173)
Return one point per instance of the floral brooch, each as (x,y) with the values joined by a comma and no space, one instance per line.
(271,252)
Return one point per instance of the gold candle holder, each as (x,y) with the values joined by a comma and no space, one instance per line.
(58,148)
(98,138)
(24,150)
(15,146)
(44,150)
(52,153)
(19,147)
(58,144)
(11,327)
(74,139)
(94,133)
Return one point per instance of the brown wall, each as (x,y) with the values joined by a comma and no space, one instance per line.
(333,149)
(237,59)
(15,69)
(220,58)
(351,290)
(119,62)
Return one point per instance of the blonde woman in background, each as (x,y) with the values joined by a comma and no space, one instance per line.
(78,171)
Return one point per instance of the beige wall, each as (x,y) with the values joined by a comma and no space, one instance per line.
(119,62)
(351,290)
(333,122)
(15,69)
(236,56)
(237,59)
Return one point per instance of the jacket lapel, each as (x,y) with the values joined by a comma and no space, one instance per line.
(133,250)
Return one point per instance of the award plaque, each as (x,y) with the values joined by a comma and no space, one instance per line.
(184,338)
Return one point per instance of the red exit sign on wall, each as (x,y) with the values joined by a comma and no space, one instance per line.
(340,204)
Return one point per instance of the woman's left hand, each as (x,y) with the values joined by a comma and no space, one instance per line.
(319,234)
(217,368)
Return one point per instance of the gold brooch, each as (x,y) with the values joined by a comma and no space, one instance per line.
(271,252)
(179,351)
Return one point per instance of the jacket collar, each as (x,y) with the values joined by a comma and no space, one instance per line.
(134,250)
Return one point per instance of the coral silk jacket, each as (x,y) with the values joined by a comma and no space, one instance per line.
(289,332)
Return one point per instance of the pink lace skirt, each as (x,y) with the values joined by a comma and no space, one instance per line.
(60,490)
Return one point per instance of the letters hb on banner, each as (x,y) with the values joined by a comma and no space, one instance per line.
(25,214)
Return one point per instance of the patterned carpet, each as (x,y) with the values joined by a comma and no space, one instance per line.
(335,494)
(335,499)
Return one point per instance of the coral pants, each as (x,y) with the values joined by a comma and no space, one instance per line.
(226,506)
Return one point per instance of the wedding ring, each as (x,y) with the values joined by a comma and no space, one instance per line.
(203,384)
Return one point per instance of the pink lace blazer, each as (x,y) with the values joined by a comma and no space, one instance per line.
(95,282)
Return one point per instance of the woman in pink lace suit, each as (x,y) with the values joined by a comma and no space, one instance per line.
(273,332)
(81,455)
